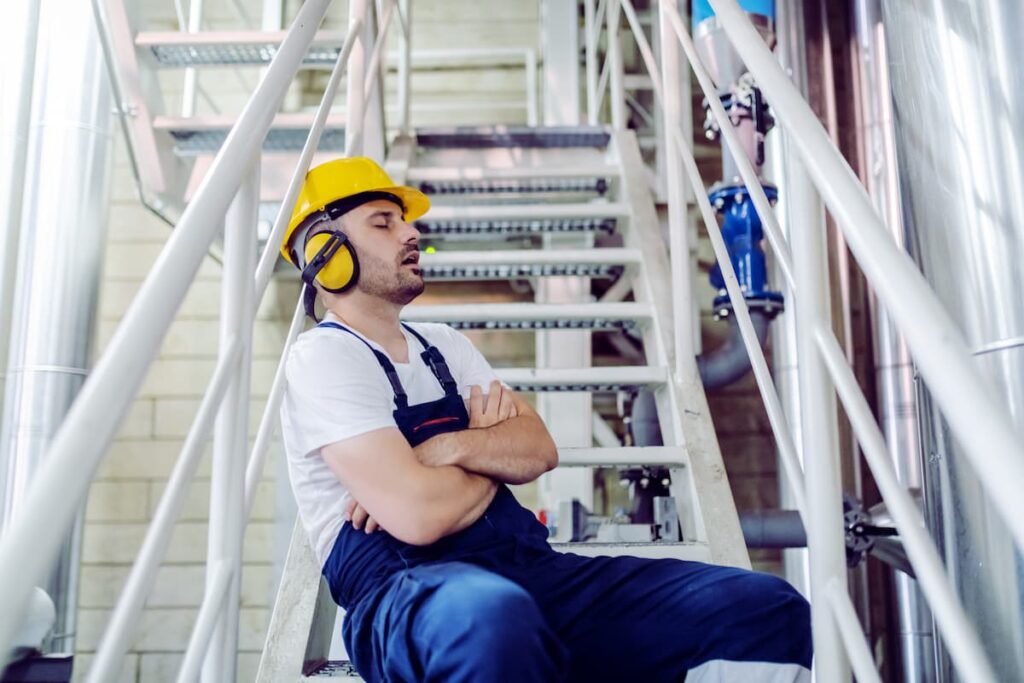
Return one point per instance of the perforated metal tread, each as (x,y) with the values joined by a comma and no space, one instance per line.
(509,264)
(205,134)
(595,379)
(476,137)
(177,50)
(520,219)
(530,316)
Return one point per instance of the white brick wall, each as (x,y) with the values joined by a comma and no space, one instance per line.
(134,473)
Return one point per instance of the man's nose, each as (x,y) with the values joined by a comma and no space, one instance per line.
(410,233)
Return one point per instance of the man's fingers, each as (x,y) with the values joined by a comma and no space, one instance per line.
(371,525)
(494,399)
(359,516)
(507,407)
(349,507)
(476,400)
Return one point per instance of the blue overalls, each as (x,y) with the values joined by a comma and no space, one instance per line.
(494,602)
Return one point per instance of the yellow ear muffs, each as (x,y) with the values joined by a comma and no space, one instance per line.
(331,261)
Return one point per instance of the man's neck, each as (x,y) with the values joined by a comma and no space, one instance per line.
(371,317)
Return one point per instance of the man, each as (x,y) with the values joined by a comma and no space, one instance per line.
(399,461)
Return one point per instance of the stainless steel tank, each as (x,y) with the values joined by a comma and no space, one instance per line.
(958,106)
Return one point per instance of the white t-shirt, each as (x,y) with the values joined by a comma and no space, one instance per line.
(337,390)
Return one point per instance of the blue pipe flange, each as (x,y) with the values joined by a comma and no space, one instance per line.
(702,9)
(743,234)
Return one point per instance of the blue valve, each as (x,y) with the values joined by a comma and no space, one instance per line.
(743,234)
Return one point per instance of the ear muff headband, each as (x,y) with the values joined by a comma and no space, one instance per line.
(331,261)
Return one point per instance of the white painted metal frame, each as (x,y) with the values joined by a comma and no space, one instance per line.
(980,423)
(27,548)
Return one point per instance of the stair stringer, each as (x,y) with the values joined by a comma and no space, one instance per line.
(704,500)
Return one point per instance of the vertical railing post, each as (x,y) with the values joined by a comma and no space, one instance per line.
(682,277)
(355,108)
(590,55)
(227,485)
(618,91)
(405,66)
(822,483)
(191,85)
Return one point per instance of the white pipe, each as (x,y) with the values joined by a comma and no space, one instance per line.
(218,584)
(32,540)
(590,57)
(120,629)
(750,178)
(978,421)
(773,407)
(404,66)
(853,637)
(19,47)
(227,480)
(355,108)
(269,421)
(955,626)
(679,248)
(265,270)
(188,94)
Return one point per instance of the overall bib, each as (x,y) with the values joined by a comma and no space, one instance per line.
(494,602)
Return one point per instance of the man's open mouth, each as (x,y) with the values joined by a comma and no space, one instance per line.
(412,258)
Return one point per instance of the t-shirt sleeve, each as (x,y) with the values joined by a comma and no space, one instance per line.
(326,400)
(472,368)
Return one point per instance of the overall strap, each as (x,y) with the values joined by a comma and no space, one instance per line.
(401,400)
(435,361)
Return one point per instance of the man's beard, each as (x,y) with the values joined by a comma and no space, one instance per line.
(380,279)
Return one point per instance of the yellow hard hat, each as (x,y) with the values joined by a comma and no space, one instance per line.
(342,178)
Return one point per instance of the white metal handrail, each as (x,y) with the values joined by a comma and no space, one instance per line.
(964,645)
(269,421)
(764,207)
(847,200)
(128,609)
(773,406)
(265,269)
(979,422)
(31,541)
(373,67)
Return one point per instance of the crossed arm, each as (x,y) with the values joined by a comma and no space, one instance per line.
(443,485)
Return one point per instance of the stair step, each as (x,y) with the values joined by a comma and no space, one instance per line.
(530,316)
(445,174)
(447,181)
(476,137)
(520,219)
(624,456)
(178,50)
(338,669)
(606,378)
(205,134)
(685,550)
(526,263)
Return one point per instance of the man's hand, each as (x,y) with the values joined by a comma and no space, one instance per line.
(355,513)
(484,411)
(498,407)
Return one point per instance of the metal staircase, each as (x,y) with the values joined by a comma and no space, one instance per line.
(481,194)
(509,203)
